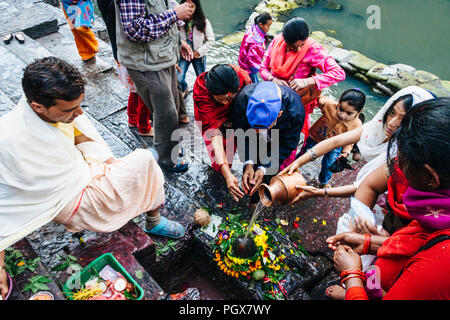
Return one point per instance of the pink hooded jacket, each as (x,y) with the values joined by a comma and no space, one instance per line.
(252,50)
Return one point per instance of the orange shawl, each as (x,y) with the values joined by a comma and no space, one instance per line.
(284,62)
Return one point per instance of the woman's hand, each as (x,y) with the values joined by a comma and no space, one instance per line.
(362,226)
(308,192)
(196,54)
(290,169)
(233,186)
(280,82)
(350,239)
(186,51)
(298,84)
(3,283)
(346,259)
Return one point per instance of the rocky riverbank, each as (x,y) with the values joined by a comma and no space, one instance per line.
(383,78)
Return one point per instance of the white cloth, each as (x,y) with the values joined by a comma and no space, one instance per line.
(371,144)
(358,209)
(41,171)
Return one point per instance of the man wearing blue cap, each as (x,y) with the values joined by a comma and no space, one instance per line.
(274,115)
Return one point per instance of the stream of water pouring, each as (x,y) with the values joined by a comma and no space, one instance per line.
(259,208)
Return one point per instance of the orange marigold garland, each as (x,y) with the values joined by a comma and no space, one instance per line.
(265,266)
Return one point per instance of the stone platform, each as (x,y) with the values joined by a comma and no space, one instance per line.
(161,273)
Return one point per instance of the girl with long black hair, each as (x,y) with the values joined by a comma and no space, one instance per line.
(198,33)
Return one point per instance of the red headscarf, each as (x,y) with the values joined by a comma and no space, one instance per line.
(284,62)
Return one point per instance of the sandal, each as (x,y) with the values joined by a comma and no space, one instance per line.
(167,228)
(20,37)
(179,167)
(7,38)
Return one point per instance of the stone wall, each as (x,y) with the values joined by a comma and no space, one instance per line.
(384,79)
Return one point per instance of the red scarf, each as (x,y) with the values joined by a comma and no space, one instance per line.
(397,185)
(284,62)
(206,109)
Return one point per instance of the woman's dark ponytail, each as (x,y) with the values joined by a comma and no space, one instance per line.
(263,18)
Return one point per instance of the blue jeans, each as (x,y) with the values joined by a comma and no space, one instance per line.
(327,160)
(199,67)
(254,77)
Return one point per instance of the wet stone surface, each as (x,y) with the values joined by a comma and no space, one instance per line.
(34,19)
(164,272)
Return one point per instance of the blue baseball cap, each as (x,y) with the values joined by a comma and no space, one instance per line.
(264,105)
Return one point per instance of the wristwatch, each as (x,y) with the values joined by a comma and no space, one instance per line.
(2,268)
(312,154)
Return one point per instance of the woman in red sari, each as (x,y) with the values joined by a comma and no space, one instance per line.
(213,93)
(413,262)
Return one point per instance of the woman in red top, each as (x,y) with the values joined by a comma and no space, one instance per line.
(413,263)
(213,93)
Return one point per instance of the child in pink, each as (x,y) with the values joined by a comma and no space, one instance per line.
(253,46)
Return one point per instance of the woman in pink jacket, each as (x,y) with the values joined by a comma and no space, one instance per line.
(253,46)
(292,59)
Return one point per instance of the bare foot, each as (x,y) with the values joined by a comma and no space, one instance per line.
(184,120)
(335,292)
(150,133)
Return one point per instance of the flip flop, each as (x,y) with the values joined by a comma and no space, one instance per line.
(177,168)
(7,38)
(20,37)
(167,228)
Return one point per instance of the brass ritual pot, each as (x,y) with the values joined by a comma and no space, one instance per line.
(281,189)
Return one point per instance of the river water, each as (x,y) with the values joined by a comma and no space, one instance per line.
(412,32)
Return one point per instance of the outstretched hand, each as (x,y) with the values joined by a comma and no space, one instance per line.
(308,192)
(233,187)
(290,169)
(351,239)
(362,226)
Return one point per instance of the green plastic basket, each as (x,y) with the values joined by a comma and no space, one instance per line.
(93,269)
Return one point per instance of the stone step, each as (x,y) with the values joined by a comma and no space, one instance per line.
(123,244)
(34,18)
(21,281)
(5,103)
(11,71)
(28,51)
(62,45)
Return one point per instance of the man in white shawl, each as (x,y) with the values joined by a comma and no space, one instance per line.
(54,165)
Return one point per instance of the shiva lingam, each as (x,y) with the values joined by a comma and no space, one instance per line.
(281,189)
(244,247)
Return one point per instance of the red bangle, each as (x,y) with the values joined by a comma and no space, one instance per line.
(351,271)
(367,239)
(363,278)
